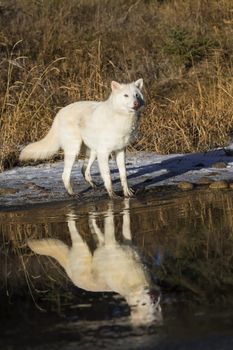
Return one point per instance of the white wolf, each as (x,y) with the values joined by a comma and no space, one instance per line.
(111,267)
(104,127)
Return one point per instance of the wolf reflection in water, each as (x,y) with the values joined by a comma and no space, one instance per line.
(112,267)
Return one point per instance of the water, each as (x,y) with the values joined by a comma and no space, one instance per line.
(148,273)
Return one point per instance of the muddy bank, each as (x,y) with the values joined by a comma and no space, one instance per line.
(27,185)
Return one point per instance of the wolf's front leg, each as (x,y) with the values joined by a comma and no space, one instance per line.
(105,172)
(120,158)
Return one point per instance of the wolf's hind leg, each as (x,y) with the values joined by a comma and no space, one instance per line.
(69,159)
(95,230)
(86,168)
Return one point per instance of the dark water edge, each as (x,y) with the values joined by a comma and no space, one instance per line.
(184,239)
(182,330)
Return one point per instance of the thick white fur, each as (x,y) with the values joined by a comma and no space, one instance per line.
(112,267)
(104,127)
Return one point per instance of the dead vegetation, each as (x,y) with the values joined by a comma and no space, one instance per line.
(55,52)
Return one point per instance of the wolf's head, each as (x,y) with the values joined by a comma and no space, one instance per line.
(127,98)
(145,306)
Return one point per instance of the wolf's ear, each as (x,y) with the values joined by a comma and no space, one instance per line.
(115,85)
(139,83)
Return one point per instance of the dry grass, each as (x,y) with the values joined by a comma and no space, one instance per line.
(55,52)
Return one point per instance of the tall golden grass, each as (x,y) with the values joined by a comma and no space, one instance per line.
(56,52)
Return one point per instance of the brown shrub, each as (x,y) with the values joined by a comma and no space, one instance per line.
(55,52)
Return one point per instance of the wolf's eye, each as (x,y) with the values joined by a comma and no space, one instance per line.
(126,95)
(137,95)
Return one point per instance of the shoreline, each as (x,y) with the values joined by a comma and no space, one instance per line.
(25,186)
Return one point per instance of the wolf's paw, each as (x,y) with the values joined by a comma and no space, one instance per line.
(95,186)
(75,195)
(129,193)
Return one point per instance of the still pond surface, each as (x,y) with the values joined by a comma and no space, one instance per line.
(148,273)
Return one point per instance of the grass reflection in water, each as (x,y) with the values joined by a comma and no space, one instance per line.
(182,241)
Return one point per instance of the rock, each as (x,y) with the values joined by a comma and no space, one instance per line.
(184,185)
(5,191)
(219,165)
(33,186)
(218,185)
(214,173)
(204,180)
(228,150)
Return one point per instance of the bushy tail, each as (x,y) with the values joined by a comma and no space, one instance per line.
(42,149)
(51,247)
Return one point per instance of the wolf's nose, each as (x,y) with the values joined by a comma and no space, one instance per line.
(136,104)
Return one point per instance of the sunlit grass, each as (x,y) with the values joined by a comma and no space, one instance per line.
(53,53)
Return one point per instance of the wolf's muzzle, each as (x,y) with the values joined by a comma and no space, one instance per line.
(138,103)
